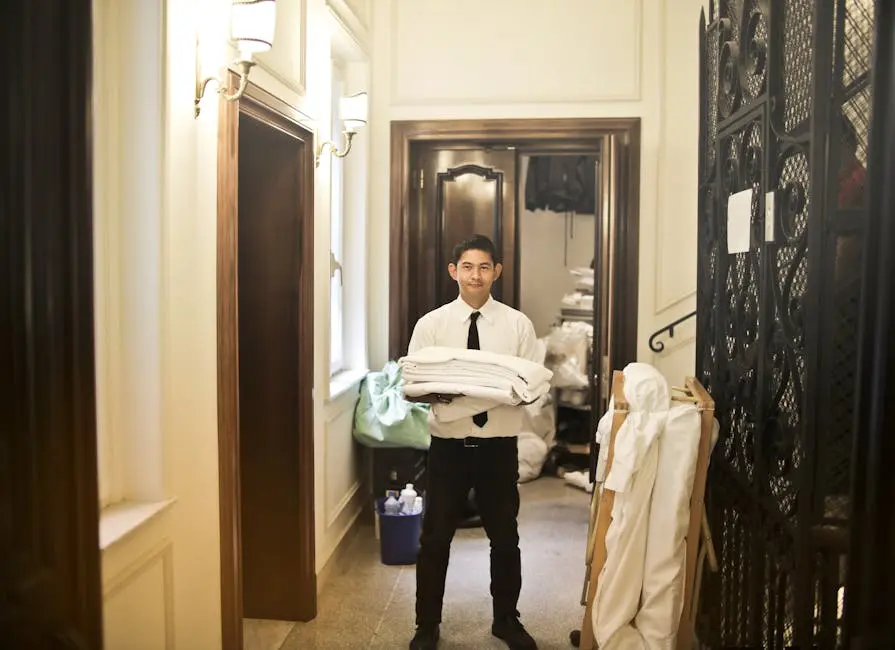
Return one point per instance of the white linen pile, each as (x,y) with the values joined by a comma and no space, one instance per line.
(482,379)
(584,279)
(639,595)
(538,429)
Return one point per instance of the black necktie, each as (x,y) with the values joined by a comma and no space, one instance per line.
(472,343)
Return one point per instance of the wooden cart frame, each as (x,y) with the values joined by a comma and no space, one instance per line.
(601,515)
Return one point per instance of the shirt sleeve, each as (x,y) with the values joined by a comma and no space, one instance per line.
(423,336)
(528,342)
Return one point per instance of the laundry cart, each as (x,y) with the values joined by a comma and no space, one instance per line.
(699,547)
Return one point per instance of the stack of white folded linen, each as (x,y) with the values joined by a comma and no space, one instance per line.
(480,379)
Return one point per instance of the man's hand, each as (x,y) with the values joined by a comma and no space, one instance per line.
(432,398)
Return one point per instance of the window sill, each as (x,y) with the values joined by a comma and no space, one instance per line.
(343,391)
(119,521)
(343,382)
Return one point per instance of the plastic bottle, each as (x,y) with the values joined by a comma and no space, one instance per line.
(408,496)
(392,506)
(417,506)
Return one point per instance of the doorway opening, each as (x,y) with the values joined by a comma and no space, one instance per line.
(558,244)
(265,362)
(570,265)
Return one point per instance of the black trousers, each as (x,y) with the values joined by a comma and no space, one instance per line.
(491,467)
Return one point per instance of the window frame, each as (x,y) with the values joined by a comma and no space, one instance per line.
(337,331)
(130,88)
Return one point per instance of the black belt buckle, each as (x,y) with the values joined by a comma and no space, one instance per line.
(470,441)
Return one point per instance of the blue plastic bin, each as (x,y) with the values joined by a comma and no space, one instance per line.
(399,536)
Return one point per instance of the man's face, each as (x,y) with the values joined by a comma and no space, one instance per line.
(475,272)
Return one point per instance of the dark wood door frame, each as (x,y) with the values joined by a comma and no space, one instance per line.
(573,131)
(266,108)
(50,583)
(870,596)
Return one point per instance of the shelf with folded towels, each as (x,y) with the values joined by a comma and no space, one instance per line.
(573,314)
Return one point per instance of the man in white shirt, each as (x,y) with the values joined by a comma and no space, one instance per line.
(478,452)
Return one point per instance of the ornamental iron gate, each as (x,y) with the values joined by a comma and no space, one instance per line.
(785,109)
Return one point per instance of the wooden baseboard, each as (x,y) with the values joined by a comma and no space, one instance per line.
(339,557)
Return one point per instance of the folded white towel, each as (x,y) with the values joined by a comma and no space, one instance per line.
(482,380)
(506,392)
(471,400)
(475,367)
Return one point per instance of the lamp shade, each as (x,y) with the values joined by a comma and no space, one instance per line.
(252,24)
(354,111)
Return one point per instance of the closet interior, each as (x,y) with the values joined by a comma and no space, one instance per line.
(557,233)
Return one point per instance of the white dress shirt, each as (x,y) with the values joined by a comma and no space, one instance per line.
(503,330)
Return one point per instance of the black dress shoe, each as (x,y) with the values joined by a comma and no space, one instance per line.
(510,631)
(426,638)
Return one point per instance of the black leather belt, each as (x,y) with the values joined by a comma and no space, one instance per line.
(476,441)
(472,441)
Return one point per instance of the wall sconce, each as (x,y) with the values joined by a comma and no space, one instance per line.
(353,111)
(252,26)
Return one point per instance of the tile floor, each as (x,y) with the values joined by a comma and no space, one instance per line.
(370,605)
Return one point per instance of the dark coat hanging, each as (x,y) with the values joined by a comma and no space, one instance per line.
(561,184)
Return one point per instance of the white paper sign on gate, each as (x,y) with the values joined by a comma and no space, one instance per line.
(739,218)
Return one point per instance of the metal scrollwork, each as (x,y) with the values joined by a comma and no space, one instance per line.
(731,175)
(730,78)
(790,276)
(779,474)
(711,82)
(754,48)
(781,446)
(793,204)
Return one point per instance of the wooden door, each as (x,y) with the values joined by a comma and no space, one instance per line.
(265,362)
(458,192)
(49,502)
(275,507)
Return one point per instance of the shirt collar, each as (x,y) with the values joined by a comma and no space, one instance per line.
(463,310)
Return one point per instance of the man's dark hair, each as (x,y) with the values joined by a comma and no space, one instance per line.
(475,243)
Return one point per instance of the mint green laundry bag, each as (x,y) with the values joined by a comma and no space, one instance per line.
(384,417)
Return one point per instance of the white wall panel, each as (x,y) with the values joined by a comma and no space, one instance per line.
(343,465)
(515,51)
(361,9)
(515,59)
(353,16)
(287,61)
(138,604)
(678,177)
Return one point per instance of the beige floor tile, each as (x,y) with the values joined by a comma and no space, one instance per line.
(370,605)
(264,635)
